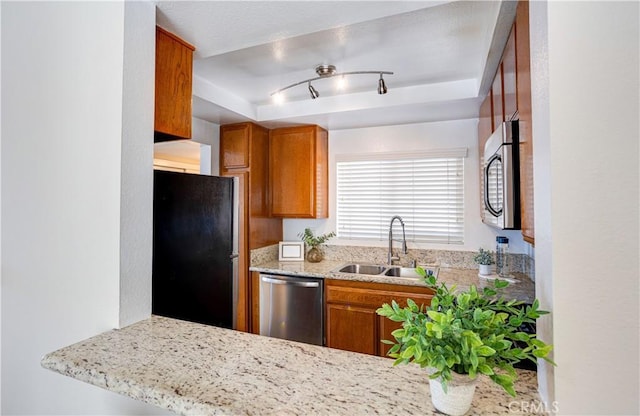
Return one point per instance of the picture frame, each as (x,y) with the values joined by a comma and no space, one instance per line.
(291,251)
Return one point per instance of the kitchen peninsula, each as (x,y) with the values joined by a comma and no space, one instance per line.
(191,369)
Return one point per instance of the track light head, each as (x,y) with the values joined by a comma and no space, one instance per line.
(314,93)
(382,87)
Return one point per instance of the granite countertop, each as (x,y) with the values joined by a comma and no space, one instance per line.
(194,369)
(523,289)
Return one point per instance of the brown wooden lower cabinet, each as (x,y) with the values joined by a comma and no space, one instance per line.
(254,290)
(351,328)
(351,320)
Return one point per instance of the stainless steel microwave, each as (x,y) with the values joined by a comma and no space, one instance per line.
(501,167)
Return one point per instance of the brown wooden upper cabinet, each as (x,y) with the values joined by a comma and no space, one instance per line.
(498,99)
(485,128)
(509,86)
(523,81)
(174,65)
(510,99)
(298,172)
(234,145)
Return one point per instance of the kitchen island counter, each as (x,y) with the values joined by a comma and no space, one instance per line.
(191,369)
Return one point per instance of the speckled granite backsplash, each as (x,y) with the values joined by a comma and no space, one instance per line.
(520,263)
(264,255)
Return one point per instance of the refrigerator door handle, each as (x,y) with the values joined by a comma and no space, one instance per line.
(290,282)
(235,251)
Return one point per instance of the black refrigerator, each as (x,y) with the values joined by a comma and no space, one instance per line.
(195,248)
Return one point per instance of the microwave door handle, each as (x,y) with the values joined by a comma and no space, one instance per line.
(487,202)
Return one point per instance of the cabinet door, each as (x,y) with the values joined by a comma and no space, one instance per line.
(254,309)
(497,99)
(298,172)
(485,128)
(174,62)
(243,306)
(385,328)
(234,146)
(351,328)
(509,77)
(523,80)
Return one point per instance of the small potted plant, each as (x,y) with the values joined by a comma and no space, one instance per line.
(484,259)
(313,244)
(462,335)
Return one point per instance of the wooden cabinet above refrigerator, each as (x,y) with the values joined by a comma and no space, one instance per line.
(174,73)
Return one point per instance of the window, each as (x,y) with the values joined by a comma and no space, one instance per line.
(425,189)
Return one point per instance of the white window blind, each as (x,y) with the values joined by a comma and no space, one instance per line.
(426,190)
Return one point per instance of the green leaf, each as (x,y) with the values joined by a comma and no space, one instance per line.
(506,382)
(408,353)
(514,321)
(473,358)
(477,314)
(485,351)
(521,336)
(398,333)
(430,280)
(386,341)
(485,369)
(542,352)
(412,305)
(436,316)
(500,284)
(488,292)
(418,353)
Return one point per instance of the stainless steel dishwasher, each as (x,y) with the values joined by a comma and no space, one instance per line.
(291,308)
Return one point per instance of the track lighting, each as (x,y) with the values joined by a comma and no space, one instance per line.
(382,87)
(329,71)
(313,91)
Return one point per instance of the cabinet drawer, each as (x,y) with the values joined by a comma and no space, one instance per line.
(372,298)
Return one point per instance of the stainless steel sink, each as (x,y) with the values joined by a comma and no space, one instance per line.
(385,270)
(362,269)
(402,272)
(409,272)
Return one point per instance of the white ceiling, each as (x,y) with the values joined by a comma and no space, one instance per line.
(441,54)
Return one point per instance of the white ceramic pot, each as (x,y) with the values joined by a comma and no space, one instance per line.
(485,269)
(457,400)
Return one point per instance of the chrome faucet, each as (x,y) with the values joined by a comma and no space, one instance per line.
(390,256)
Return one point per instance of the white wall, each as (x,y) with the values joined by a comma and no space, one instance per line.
(207,133)
(413,137)
(136,202)
(66,193)
(0,220)
(586,144)
(542,186)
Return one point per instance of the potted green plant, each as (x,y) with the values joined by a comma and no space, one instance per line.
(313,244)
(484,259)
(462,335)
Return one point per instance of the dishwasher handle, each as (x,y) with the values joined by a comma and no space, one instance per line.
(269,279)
